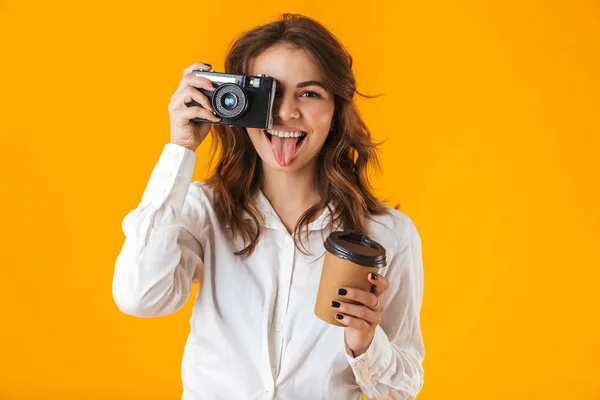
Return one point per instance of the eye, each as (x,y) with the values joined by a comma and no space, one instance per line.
(311,93)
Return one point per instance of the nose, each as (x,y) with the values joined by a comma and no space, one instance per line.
(285,108)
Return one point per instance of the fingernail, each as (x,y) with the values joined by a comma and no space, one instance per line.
(342,292)
(373,276)
(335,304)
(208,65)
(339,316)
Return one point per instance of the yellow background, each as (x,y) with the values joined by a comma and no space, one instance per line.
(491,110)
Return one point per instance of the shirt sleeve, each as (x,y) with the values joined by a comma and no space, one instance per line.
(160,258)
(391,368)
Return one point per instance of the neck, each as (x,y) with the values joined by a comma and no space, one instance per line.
(291,191)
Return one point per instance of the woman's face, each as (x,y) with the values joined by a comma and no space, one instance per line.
(302,108)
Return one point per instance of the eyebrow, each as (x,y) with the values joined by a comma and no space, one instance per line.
(311,83)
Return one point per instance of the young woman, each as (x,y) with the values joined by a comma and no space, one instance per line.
(252,235)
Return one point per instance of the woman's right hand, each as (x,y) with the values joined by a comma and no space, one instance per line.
(183,131)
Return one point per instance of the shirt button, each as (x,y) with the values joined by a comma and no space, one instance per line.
(278,327)
(169,174)
(285,282)
(273,370)
(176,155)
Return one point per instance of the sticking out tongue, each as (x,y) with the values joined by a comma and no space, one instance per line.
(283,149)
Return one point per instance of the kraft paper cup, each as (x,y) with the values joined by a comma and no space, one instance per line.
(349,257)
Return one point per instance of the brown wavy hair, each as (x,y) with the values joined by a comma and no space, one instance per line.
(344,161)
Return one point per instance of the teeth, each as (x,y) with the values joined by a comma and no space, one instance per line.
(285,134)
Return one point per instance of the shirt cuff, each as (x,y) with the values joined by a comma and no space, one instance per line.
(369,366)
(171,177)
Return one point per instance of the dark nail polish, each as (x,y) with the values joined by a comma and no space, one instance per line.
(373,276)
(208,65)
(339,316)
(342,292)
(335,304)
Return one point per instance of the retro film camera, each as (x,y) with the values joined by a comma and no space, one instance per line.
(238,99)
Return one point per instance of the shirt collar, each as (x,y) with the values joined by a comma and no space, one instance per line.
(273,221)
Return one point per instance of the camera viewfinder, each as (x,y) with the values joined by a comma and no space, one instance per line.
(254,82)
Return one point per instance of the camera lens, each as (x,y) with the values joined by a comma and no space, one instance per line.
(229,101)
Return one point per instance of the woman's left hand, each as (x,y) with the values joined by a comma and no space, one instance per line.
(361,319)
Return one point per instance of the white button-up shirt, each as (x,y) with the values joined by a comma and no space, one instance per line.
(254,334)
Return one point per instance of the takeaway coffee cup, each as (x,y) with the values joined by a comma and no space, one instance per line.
(349,257)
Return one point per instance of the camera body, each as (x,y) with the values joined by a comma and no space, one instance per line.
(239,100)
